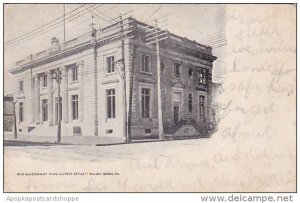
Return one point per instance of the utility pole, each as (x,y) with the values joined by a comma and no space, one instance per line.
(64,23)
(159,100)
(124,32)
(155,35)
(125,131)
(94,44)
(132,78)
(15,120)
(57,76)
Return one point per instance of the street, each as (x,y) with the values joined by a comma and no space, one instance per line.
(195,165)
(131,162)
(133,151)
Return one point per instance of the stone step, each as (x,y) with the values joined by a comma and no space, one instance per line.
(43,130)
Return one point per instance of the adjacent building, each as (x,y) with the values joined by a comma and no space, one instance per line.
(108,85)
(8,113)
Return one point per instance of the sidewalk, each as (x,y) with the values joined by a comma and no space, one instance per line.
(24,140)
(72,140)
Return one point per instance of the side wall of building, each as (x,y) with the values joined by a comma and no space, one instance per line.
(175,91)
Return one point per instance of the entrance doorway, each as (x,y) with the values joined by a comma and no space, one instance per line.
(176,113)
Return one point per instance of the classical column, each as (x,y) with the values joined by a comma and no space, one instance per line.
(80,79)
(37,99)
(64,93)
(50,98)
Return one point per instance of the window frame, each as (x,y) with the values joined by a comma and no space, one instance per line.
(143,102)
(58,110)
(45,80)
(44,110)
(201,75)
(190,72)
(21,86)
(112,68)
(74,106)
(74,73)
(201,112)
(177,73)
(163,100)
(111,103)
(21,112)
(190,103)
(162,67)
(176,104)
(142,63)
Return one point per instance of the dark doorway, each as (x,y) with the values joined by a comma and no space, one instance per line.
(176,114)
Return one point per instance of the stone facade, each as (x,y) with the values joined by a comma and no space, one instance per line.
(106,75)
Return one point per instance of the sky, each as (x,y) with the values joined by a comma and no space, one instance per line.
(204,23)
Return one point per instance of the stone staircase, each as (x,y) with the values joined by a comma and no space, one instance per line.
(184,129)
(45,129)
(42,130)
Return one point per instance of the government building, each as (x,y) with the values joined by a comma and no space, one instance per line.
(107,82)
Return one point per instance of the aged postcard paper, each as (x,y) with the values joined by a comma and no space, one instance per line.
(149,98)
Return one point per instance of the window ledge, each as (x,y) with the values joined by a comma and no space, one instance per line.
(74,82)
(147,119)
(75,121)
(147,73)
(109,120)
(111,73)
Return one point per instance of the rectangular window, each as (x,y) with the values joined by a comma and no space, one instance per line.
(146,63)
(145,103)
(201,106)
(177,70)
(45,80)
(21,86)
(163,98)
(74,70)
(110,64)
(21,112)
(58,110)
(111,103)
(45,109)
(75,107)
(190,103)
(201,73)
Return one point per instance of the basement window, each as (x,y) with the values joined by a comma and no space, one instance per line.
(147,131)
(109,131)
